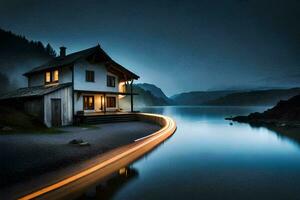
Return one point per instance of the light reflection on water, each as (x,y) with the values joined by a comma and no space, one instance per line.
(207,158)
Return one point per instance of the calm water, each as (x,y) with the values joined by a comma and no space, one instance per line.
(207,158)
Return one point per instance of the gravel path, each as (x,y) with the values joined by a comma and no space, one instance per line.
(24,156)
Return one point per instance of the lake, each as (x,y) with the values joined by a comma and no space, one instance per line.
(208,158)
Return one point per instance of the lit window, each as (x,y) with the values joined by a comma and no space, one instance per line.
(55,75)
(48,77)
(51,76)
(88,102)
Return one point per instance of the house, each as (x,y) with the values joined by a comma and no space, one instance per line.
(81,83)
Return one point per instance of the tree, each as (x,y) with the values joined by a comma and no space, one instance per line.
(50,50)
(5,83)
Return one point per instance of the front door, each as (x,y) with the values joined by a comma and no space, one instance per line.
(56,112)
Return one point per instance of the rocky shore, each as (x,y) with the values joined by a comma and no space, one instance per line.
(284,114)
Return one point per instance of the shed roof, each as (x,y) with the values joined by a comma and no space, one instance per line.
(71,58)
(33,91)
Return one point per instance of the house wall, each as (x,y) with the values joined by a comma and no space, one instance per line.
(65,94)
(38,79)
(100,72)
(65,74)
(78,103)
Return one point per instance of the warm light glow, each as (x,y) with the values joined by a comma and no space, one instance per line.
(55,75)
(122,88)
(138,148)
(123,171)
(48,77)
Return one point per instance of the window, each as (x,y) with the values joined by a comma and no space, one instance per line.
(88,102)
(111,81)
(89,76)
(55,75)
(111,102)
(51,76)
(48,77)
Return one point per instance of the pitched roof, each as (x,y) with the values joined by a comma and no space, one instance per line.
(71,58)
(33,91)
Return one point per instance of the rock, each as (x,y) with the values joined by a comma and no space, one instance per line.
(79,142)
(282,124)
(82,144)
(283,114)
(6,128)
(76,141)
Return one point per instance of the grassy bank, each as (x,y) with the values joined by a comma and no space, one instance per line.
(13,120)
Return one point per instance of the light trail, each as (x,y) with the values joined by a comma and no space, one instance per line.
(155,138)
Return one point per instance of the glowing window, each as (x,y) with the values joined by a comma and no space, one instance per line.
(48,77)
(55,75)
(88,102)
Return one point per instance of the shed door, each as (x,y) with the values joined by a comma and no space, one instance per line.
(56,112)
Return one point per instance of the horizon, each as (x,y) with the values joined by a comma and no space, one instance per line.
(139,99)
(244,44)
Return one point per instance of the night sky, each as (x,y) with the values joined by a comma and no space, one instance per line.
(177,45)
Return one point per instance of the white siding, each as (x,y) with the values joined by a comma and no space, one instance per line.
(100,77)
(65,94)
(65,75)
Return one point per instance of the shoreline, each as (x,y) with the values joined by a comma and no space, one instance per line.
(96,160)
(283,128)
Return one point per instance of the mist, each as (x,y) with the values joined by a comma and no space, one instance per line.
(176,45)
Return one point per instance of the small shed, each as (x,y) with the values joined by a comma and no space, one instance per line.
(51,104)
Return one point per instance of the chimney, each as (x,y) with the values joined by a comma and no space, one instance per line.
(62,51)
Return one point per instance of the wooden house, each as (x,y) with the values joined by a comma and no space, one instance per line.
(81,83)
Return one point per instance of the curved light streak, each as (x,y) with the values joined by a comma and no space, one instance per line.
(155,138)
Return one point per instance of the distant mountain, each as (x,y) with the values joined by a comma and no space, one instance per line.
(197,97)
(155,91)
(144,97)
(285,80)
(253,98)
(18,55)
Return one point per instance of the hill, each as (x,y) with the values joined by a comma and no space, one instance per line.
(155,91)
(18,55)
(144,98)
(284,118)
(16,120)
(254,98)
(197,97)
(286,111)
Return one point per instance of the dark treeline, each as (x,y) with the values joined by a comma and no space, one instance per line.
(18,55)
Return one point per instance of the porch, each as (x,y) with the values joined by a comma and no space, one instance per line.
(96,113)
(91,103)
(105,117)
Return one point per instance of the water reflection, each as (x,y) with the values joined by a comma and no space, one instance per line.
(207,158)
(283,133)
(107,189)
